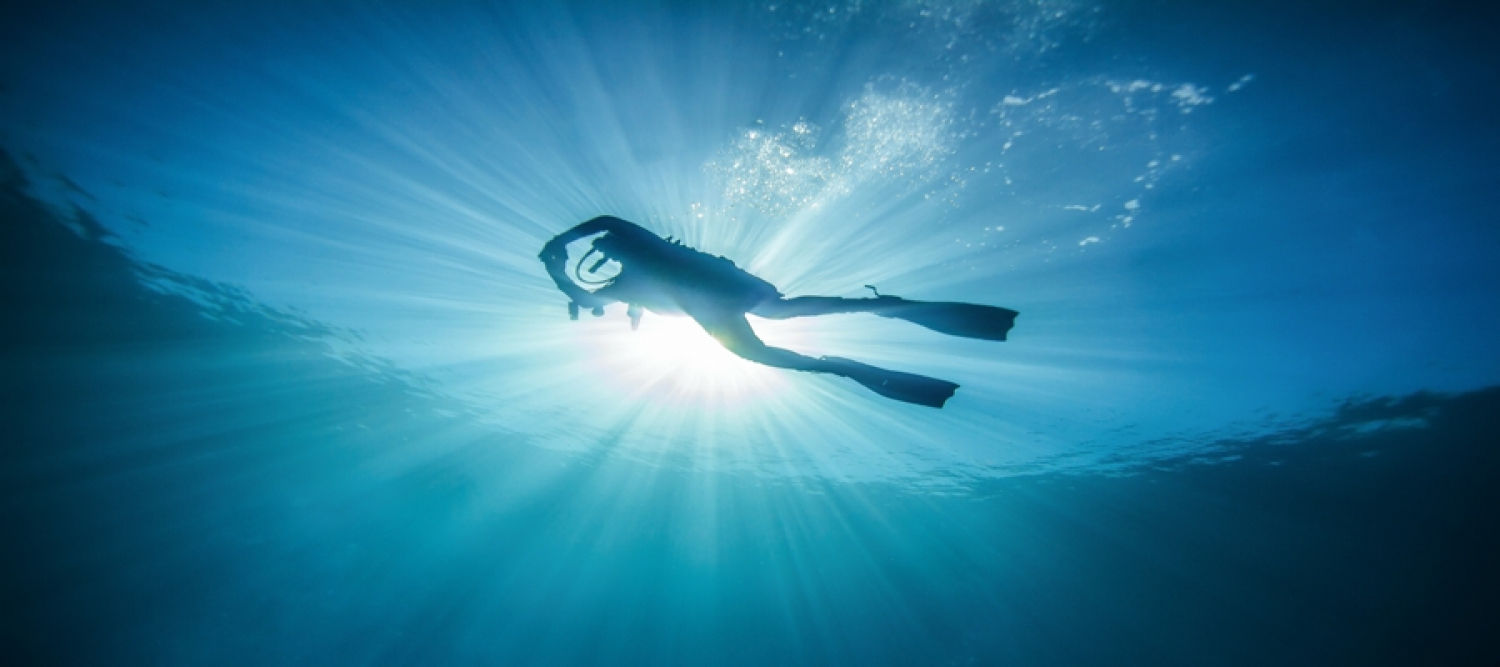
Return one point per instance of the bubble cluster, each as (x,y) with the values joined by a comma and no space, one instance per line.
(953,26)
(1125,134)
(902,135)
(773,172)
(1185,96)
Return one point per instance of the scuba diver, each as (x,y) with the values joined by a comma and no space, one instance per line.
(668,278)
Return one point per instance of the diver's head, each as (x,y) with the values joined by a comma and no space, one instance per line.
(608,243)
(626,248)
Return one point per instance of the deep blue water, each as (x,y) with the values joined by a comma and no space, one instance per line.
(284,383)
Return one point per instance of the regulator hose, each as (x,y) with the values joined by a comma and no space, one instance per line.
(578,268)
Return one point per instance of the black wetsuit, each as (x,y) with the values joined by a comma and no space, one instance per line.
(671,279)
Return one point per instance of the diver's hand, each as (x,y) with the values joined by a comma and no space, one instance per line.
(580,298)
(554,256)
(586,299)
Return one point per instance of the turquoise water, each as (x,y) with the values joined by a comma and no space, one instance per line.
(286,384)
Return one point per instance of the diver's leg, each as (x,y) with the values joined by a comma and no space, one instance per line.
(907,387)
(734,333)
(955,319)
(808,306)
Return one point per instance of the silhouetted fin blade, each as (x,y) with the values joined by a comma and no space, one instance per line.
(955,319)
(905,387)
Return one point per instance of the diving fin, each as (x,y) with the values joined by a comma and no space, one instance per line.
(905,387)
(955,319)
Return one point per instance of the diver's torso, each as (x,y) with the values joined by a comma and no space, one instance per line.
(671,279)
(643,291)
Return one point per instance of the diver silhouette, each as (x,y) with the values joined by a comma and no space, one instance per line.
(668,278)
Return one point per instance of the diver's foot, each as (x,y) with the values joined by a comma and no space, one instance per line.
(905,387)
(967,320)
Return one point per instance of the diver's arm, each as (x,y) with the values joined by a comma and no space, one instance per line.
(603,223)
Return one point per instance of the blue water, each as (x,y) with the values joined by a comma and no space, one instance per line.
(284,382)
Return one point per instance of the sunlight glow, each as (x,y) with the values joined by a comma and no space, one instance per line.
(675,357)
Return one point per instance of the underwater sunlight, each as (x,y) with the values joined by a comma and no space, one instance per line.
(1095,332)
